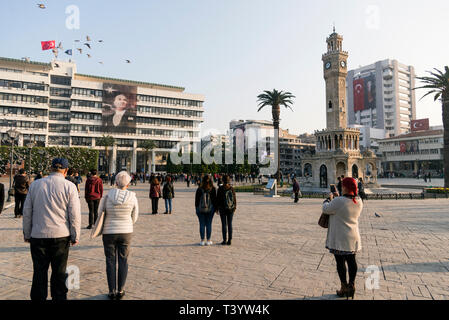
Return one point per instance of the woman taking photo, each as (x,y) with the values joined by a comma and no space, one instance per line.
(205,205)
(343,237)
(155,194)
(121,212)
(168,192)
(227,204)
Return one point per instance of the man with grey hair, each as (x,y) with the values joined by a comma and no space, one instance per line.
(51,223)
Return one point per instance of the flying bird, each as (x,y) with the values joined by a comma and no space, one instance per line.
(88,45)
(88,55)
(60,45)
(100,62)
(100,40)
(77,40)
(41,5)
(377,215)
(56,65)
(128,61)
(80,50)
(55,52)
(88,38)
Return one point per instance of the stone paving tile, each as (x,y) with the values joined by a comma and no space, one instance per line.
(277,253)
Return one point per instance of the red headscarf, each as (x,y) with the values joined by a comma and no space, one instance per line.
(350,184)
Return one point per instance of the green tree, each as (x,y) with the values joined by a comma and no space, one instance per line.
(106,142)
(147,145)
(275,99)
(438,84)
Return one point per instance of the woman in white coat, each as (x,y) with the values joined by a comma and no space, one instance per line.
(121,212)
(343,236)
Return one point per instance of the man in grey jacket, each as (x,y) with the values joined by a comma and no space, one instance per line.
(51,223)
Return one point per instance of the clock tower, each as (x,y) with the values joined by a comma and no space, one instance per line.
(335,70)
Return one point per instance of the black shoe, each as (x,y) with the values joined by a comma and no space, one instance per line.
(154,213)
(120,295)
(229,242)
(165,212)
(89,227)
(111,295)
(224,243)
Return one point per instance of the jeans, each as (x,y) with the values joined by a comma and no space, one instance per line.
(46,252)
(116,250)
(168,205)
(154,204)
(205,221)
(341,267)
(93,210)
(226,224)
(19,200)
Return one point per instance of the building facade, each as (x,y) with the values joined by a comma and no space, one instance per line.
(413,153)
(381,96)
(53,105)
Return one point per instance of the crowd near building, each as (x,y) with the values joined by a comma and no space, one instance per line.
(53,105)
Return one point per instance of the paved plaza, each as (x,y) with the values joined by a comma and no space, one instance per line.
(277,253)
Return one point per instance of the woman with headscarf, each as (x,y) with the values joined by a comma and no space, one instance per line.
(343,236)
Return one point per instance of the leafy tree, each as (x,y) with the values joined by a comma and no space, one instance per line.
(147,145)
(106,141)
(438,84)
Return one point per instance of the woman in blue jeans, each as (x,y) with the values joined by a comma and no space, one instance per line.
(205,205)
(168,193)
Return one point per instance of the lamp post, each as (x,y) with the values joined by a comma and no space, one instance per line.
(13,135)
(31,146)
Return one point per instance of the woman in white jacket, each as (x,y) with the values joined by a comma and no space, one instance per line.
(121,212)
(343,237)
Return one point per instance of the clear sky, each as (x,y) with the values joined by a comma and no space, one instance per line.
(230,51)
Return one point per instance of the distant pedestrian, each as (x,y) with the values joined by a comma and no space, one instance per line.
(339,187)
(93,194)
(168,193)
(227,205)
(121,210)
(343,237)
(296,190)
(71,177)
(38,176)
(429,176)
(155,194)
(21,185)
(51,223)
(361,188)
(205,206)
(2,197)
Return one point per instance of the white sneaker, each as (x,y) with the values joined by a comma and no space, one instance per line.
(209,243)
(202,243)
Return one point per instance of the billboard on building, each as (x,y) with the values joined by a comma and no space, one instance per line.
(365,93)
(420,125)
(409,146)
(119,113)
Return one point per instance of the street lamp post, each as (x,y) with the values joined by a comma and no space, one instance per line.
(13,135)
(31,146)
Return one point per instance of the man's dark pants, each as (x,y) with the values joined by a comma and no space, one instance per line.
(93,210)
(46,252)
(20,200)
(296,196)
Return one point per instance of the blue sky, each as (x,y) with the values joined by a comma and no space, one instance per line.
(232,50)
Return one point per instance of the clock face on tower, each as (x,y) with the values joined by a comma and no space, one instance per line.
(343,64)
(328,65)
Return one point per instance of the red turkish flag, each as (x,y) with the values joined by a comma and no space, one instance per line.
(47,45)
(359,95)
(420,125)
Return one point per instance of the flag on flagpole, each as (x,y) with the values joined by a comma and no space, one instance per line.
(46,45)
(69,52)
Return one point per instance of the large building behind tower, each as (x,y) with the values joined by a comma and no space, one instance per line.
(53,105)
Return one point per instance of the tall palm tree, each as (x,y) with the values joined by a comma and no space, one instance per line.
(438,84)
(276,99)
(106,141)
(147,145)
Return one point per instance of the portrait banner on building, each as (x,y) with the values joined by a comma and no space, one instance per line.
(420,125)
(365,93)
(119,113)
(409,146)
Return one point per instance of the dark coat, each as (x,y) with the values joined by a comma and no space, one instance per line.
(221,198)
(213,197)
(21,184)
(168,191)
(94,188)
(127,123)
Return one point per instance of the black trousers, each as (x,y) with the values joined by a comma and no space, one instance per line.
(116,250)
(93,210)
(342,260)
(46,252)
(154,204)
(226,224)
(296,197)
(19,200)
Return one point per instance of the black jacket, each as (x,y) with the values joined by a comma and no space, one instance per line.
(221,198)
(2,196)
(168,191)
(213,197)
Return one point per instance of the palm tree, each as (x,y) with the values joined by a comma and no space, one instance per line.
(438,84)
(106,141)
(147,145)
(276,99)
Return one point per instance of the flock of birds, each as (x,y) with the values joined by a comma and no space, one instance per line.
(69,51)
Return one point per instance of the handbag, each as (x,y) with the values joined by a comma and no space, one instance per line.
(323,222)
(97,229)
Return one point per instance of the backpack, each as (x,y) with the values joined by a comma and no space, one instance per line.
(229,200)
(205,202)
